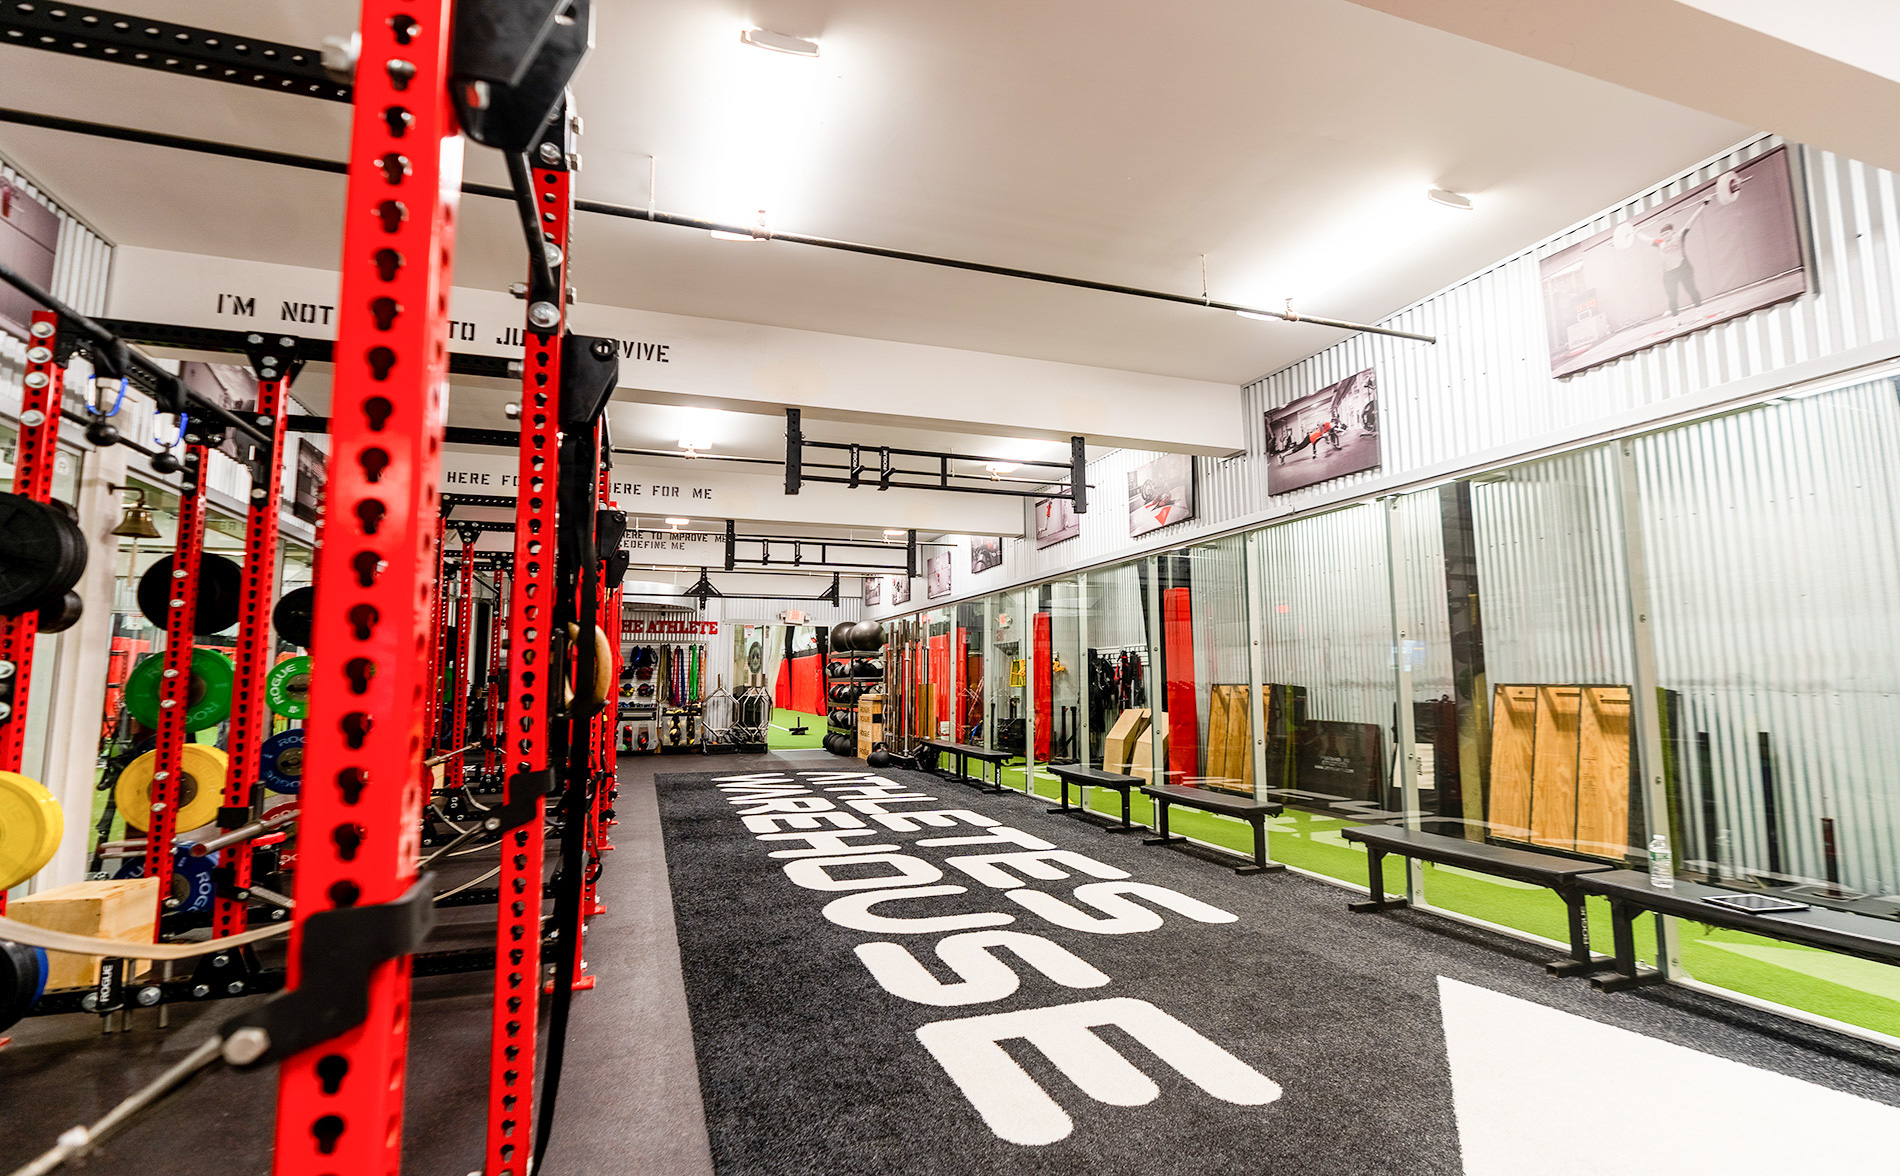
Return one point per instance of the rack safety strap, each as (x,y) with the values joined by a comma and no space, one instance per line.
(256,647)
(174,691)
(340,1100)
(34,454)
(528,763)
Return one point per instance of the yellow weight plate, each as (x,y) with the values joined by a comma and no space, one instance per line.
(200,792)
(30,826)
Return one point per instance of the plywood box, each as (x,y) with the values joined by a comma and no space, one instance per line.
(870,723)
(1603,772)
(1141,759)
(1119,743)
(1513,739)
(121,909)
(1554,767)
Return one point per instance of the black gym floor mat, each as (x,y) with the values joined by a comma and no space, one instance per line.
(1239,1023)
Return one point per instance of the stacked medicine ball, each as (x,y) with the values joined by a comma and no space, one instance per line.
(846,681)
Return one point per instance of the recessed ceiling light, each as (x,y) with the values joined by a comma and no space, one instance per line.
(779,42)
(1449,199)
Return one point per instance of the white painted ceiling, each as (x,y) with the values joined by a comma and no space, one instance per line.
(1288,141)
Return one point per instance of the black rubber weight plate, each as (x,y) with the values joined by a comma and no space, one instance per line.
(220,593)
(41,554)
(293,614)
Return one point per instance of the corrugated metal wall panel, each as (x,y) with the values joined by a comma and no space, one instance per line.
(1328,613)
(1486,385)
(1774,539)
(82,262)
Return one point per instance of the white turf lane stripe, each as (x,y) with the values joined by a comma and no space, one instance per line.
(1538,1090)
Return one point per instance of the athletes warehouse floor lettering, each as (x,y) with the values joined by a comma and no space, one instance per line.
(886,972)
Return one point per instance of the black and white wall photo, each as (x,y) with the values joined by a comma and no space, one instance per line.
(1325,435)
(937,575)
(1716,252)
(985,553)
(900,589)
(873,589)
(1160,493)
(1056,521)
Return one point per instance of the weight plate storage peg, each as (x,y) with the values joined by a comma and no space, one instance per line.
(42,555)
(200,791)
(287,688)
(281,768)
(292,616)
(220,593)
(207,703)
(31,824)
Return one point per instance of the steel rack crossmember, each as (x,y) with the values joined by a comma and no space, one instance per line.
(1075,488)
(112,357)
(173,48)
(461,363)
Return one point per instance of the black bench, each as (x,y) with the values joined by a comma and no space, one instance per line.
(1560,874)
(965,753)
(1081,775)
(1254,812)
(1866,936)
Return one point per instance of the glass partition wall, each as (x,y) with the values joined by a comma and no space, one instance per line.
(1683,641)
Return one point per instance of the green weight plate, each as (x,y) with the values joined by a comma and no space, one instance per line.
(220,593)
(287,688)
(209,702)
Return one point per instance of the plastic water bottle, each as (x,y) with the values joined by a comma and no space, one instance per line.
(1662,874)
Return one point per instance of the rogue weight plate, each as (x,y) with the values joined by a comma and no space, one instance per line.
(193,884)
(31,823)
(61,613)
(292,616)
(42,554)
(287,688)
(207,703)
(1728,187)
(220,593)
(200,791)
(282,767)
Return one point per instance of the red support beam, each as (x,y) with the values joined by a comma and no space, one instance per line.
(459,693)
(340,1103)
(174,690)
(38,445)
(527,744)
(438,648)
(256,650)
(491,754)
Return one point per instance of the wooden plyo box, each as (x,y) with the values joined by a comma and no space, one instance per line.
(870,723)
(1119,743)
(122,909)
(1141,760)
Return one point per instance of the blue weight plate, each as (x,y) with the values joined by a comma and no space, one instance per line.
(281,768)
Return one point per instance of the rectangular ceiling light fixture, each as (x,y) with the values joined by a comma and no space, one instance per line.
(779,42)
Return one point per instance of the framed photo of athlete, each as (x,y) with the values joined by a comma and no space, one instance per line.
(1160,494)
(985,554)
(900,589)
(29,235)
(1056,520)
(1716,252)
(937,576)
(873,589)
(1324,435)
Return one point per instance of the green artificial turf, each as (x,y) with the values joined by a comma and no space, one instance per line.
(1829,984)
(778,736)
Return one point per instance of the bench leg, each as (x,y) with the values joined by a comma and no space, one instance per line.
(1128,825)
(1260,863)
(1064,806)
(1582,961)
(1375,878)
(1163,806)
(1629,973)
